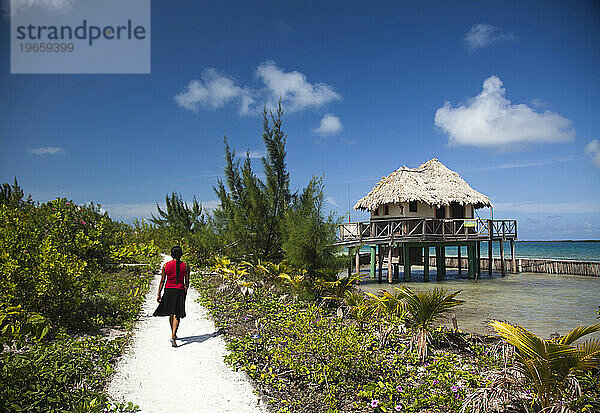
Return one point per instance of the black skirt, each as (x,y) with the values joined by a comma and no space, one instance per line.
(172,302)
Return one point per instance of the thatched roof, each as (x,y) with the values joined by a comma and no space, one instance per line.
(431,183)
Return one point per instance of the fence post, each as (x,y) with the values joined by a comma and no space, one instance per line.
(512,252)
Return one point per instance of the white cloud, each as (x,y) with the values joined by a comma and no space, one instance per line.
(256,154)
(294,90)
(490,119)
(332,201)
(210,205)
(46,150)
(18,6)
(539,103)
(574,207)
(129,212)
(215,90)
(329,125)
(593,148)
(482,35)
(529,163)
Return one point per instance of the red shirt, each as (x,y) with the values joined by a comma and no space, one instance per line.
(170,271)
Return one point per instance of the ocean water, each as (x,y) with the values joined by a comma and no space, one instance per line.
(542,303)
(568,250)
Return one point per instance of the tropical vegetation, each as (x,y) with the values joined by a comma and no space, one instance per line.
(64,289)
(546,371)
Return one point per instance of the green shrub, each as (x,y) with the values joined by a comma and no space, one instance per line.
(63,376)
(40,272)
(56,261)
(18,327)
(136,252)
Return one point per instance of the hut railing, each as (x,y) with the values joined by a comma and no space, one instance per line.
(426,229)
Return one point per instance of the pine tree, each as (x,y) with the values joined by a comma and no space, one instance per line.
(263,220)
(179,216)
(13,196)
(309,235)
(250,217)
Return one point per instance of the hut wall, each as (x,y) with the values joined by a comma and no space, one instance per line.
(394,211)
(402,210)
(423,210)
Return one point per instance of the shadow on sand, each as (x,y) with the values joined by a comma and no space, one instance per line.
(183,341)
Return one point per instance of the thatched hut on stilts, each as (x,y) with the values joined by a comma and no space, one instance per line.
(413,210)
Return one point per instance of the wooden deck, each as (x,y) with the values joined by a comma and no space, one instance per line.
(425,230)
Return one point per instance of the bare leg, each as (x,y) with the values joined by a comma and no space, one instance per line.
(175,325)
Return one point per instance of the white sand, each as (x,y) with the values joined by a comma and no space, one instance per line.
(189,378)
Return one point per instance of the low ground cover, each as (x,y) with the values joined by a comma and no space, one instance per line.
(66,371)
(305,358)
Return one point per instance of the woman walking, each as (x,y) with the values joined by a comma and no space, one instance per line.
(172,302)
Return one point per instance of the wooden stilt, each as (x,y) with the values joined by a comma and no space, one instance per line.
(390,275)
(373,256)
(502,263)
(478,260)
(441,261)
(443,250)
(380,259)
(426,263)
(357,259)
(397,265)
(438,262)
(459,266)
(490,257)
(406,253)
(512,256)
(471,259)
(349,264)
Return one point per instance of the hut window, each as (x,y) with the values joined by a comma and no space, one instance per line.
(376,211)
(412,206)
(386,210)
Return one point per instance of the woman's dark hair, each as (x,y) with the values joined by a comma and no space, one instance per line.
(177,252)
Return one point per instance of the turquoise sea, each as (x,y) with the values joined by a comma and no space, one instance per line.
(567,250)
(543,303)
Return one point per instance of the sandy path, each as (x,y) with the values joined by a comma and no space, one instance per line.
(189,378)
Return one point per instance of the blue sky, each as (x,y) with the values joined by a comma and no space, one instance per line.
(505,93)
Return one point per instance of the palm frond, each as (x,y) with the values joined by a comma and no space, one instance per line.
(589,355)
(578,332)
(426,307)
(527,344)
